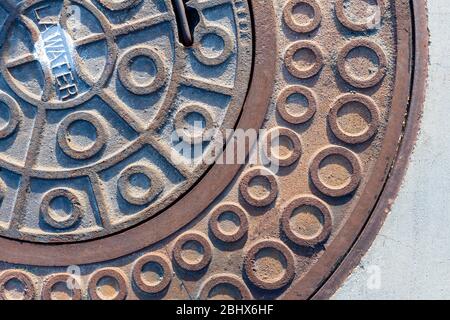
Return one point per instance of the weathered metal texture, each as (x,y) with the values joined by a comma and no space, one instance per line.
(107,198)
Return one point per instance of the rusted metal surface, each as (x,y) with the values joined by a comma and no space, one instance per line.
(105,211)
(398,169)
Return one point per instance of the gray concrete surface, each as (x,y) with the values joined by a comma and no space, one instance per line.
(410,259)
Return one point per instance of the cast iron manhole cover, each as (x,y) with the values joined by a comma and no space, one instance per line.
(111,111)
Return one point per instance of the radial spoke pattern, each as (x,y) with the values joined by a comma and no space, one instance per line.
(19,61)
(206,85)
(126,111)
(33,149)
(122,110)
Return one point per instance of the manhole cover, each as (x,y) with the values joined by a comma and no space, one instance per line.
(113,112)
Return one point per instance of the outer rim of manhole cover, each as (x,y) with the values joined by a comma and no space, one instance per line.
(361,244)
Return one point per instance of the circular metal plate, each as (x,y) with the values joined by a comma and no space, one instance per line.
(98,199)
